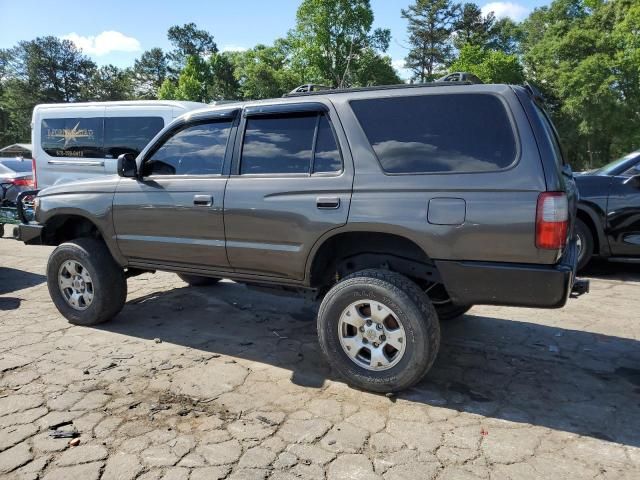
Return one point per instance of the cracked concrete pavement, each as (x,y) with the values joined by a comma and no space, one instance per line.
(225,382)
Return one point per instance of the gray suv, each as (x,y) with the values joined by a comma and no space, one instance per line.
(396,207)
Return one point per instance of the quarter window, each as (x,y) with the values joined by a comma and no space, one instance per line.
(438,133)
(301,144)
(72,137)
(129,134)
(194,150)
(326,155)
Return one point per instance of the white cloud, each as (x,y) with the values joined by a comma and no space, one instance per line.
(233,48)
(104,43)
(506,9)
(398,64)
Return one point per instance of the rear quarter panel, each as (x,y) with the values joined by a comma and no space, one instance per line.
(500,215)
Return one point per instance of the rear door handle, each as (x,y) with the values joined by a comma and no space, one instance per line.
(202,200)
(328,202)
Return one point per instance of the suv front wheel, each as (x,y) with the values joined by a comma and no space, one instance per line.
(86,285)
(379,330)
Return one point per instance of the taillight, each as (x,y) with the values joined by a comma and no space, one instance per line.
(33,172)
(552,220)
(22,182)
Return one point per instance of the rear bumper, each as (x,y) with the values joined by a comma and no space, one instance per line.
(512,284)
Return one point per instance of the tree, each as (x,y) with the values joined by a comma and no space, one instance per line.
(505,35)
(490,66)
(331,39)
(149,72)
(585,57)
(43,70)
(264,72)
(109,83)
(431,24)
(189,41)
(472,27)
(224,85)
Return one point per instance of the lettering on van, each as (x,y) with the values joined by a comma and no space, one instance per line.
(69,135)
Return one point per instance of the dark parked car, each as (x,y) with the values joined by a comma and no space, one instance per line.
(608,223)
(397,207)
(15,177)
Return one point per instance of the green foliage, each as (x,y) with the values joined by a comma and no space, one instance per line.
(150,71)
(109,83)
(263,72)
(167,90)
(189,41)
(43,70)
(585,58)
(431,24)
(471,27)
(490,66)
(333,40)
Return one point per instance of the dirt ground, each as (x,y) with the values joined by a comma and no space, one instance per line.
(226,382)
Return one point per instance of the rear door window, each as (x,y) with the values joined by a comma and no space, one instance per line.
(438,133)
(73,137)
(129,134)
(277,145)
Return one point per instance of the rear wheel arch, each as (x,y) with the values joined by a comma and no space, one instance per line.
(348,251)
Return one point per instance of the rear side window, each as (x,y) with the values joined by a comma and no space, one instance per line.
(194,150)
(438,133)
(72,137)
(129,134)
(301,143)
(278,145)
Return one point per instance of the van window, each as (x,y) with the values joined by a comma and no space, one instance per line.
(438,133)
(72,137)
(276,145)
(129,134)
(193,150)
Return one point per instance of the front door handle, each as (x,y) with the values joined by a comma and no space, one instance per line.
(202,200)
(328,202)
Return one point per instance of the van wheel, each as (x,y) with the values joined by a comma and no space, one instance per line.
(198,280)
(450,311)
(584,238)
(86,285)
(1,230)
(379,330)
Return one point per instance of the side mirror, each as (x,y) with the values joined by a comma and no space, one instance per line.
(127,165)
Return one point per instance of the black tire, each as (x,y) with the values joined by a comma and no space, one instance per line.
(109,282)
(415,312)
(583,232)
(451,311)
(1,230)
(198,280)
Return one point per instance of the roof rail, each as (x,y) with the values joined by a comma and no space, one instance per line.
(379,87)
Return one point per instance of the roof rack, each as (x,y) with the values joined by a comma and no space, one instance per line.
(380,87)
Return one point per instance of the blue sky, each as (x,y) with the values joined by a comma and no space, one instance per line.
(118,31)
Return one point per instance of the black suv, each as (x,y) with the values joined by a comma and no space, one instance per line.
(397,207)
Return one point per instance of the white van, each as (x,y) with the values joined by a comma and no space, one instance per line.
(73,141)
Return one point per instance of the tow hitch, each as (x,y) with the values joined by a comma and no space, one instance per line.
(580,287)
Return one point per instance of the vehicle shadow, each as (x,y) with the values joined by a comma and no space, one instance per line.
(561,379)
(12,279)
(602,269)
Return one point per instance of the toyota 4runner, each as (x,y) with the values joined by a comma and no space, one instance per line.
(397,207)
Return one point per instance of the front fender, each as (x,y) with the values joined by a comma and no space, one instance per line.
(96,208)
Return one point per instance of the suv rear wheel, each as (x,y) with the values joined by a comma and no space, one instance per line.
(379,330)
(86,285)
(198,280)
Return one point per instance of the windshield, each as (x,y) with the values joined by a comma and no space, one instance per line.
(618,165)
(17,165)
